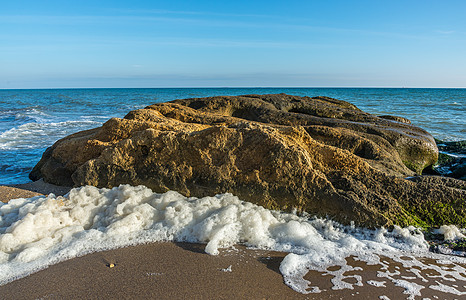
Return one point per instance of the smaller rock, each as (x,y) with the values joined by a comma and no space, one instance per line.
(452,159)
(458,147)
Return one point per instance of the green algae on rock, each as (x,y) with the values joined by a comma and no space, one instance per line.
(319,155)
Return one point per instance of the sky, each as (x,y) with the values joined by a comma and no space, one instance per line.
(307,43)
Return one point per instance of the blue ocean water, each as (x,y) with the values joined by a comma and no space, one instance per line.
(32,120)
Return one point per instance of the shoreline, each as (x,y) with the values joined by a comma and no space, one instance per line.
(167,270)
(30,189)
(159,271)
(173,270)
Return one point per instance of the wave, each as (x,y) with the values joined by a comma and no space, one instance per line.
(39,135)
(90,219)
(34,113)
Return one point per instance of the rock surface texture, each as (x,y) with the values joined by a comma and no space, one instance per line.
(319,155)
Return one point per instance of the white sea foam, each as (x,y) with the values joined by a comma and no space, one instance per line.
(39,135)
(40,231)
(227,269)
(450,232)
(33,113)
(376,283)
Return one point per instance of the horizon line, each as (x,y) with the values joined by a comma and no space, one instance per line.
(237,87)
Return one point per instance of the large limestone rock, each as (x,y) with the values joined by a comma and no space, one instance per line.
(319,155)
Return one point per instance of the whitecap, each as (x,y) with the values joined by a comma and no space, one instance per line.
(40,135)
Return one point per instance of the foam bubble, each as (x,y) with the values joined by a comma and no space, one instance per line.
(376,283)
(450,232)
(40,231)
(411,288)
(446,289)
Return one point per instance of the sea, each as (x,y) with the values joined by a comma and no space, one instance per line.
(32,120)
(45,230)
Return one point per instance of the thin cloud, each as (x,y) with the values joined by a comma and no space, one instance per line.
(63,42)
(191,13)
(194,19)
(278,23)
(445,32)
(85,19)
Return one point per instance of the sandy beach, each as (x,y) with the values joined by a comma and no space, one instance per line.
(168,270)
(182,271)
(8,192)
(31,189)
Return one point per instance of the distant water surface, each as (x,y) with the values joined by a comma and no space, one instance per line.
(32,120)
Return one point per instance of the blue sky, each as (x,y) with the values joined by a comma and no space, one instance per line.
(54,44)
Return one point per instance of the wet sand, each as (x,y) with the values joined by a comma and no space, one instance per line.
(184,271)
(31,189)
(7,193)
(169,270)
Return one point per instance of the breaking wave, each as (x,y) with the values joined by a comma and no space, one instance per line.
(36,135)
